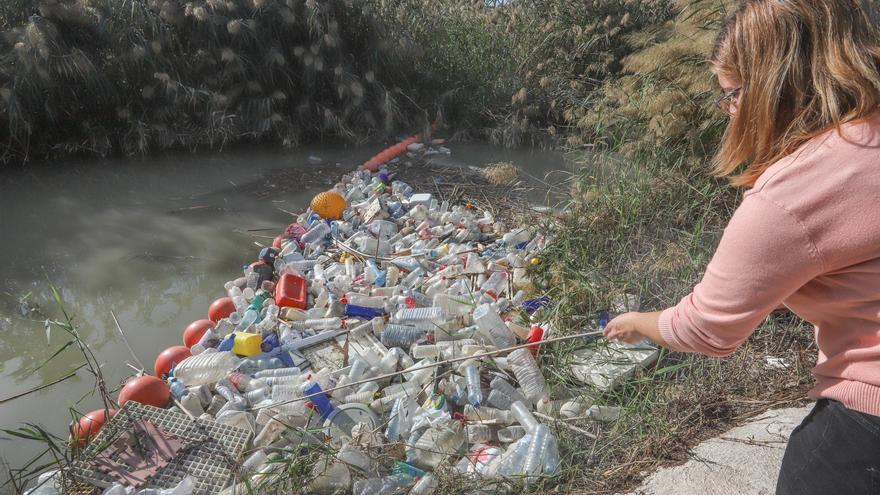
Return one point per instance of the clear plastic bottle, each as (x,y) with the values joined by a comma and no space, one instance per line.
(523,416)
(511,433)
(316,324)
(419,314)
(425,486)
(387,485)
(438,442)
(501,385)
(527,374)
(514,459)
(495,283)
(454,306)
(318,232)
(498,400)
(205,368)
(492,327)
(402,336)
(475,394)
(477,433)
(487,414)
(534,461)
(278,372)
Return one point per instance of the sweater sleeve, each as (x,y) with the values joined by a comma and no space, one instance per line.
(765,255)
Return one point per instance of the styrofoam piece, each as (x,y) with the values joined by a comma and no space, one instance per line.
(421,199)
(606,366)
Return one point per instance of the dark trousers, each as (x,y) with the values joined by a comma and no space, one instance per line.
(834,451)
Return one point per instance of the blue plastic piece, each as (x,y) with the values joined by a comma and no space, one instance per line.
(270,343)
(603,319)
(321,402)
(533,305)
(362,311)
(227,343)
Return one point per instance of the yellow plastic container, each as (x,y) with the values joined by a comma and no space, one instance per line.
(247,344)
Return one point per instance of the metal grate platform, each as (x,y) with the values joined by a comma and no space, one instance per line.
(213,449)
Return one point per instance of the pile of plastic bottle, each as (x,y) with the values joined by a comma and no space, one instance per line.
(426,289)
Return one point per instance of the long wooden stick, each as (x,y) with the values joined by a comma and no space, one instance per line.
(433,365)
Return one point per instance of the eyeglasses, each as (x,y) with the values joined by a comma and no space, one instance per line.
(725,101)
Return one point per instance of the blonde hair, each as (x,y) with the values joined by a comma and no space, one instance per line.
(806,66)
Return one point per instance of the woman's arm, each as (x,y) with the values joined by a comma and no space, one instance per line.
(635,327)
(765,255)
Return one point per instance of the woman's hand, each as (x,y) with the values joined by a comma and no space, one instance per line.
(635,327)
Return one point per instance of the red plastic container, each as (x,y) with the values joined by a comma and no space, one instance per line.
(535,335)
(292,292)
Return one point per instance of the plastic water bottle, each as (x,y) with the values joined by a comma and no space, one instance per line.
(278,372)
(534,460)
(205,368)
(501,385)
(395,483)
(250,366)
(527,374)
(477,433)
(498,400)
(243,382)
(511,433)
(475,395)
(492,327)
(401,336)
(319,231)
(487,414)
(514,459)
(524,416)
(317,324)
(432,314)
(178,389)
(425,486)
(453,305)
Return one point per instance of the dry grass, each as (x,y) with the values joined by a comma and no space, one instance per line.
(501,173)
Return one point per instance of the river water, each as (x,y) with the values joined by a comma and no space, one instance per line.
(153,240)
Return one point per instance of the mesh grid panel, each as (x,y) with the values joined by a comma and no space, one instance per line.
(213,449)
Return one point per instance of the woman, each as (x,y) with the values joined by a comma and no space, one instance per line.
(801,82)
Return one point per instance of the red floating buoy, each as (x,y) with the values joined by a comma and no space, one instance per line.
(221,308)
(193,333)
(170,358)
(147,390)
(88,426)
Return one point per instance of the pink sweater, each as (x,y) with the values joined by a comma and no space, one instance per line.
(808,236)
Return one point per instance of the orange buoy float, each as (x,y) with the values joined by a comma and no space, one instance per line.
(170,358)
(193,333)
(221,308)
(88,426)
(328,205)
(390,153)
(147,390)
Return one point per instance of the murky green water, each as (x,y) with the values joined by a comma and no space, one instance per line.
(152,240)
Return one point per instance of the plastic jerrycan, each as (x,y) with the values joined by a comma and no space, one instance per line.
(292,292)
